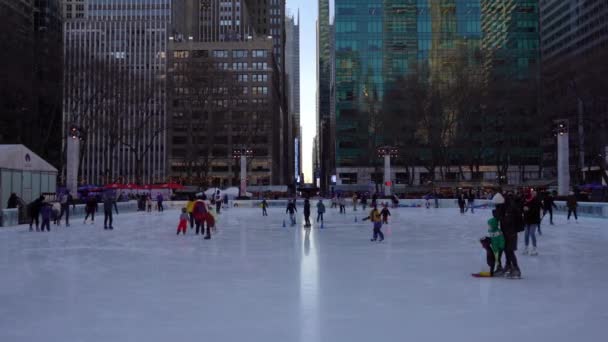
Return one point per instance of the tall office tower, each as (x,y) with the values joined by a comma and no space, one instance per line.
(292,66)
(325,130)
(30,75)
(114,88)
(223,101)
(403,70)
(73,9)
(574,43)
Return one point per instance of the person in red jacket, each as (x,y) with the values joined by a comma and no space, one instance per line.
(202,216)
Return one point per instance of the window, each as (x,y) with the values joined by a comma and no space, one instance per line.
(220,53)
(259,90)
(239,66)
(260,66)
(259,78)
(259,53)
(239,54)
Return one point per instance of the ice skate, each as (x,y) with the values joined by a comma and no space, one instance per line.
(500,272)
(534,252)
(207,237)
(515,274)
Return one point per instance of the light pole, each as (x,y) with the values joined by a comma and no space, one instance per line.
(242,154)
(387,152)
(563,157)
(74,137)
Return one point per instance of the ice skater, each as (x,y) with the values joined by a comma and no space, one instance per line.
(511,223)
(149,203)
(218,202)
(159,202)
(461,203)
(46,211)
(264,207)
(532,221)
(548,206)
(470,202)
(320,210)
(385,213)
(376,219)
(572,204)
(306,212)
(363,202)
(108,205)
(202,217)
(34,211)
(183,221)
(291,210)
(189,208)
(494,245)
(342,204)
(90,209)
(355,199)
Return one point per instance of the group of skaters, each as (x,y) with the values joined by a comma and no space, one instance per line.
(517,212)
(41,212)
(198,213)
(146,203)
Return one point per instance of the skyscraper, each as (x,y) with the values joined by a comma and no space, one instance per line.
(325,136)
(115,88)
(574,43)
(401,68)
(292,68)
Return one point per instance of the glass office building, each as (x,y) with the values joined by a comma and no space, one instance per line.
(379,42)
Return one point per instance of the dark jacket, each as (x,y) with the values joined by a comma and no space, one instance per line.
(306,207)
(513,220)
(108,204)
(532,210)
(571,202)
(45,212)
(36,206)
(91,205)
(549,202)
(13,202)
(291,208)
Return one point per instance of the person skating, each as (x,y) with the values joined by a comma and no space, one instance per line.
(13,201)
(108,205)
(46,211)
(395,201)
(183,221)
(376,219)
(385,213)
(497,245)
(572,204)
(320,211)
(334,202)
(511,224)
(355,199)
(461,203)
(189,208)
(149,203)
(218,202)
(342,204)
(202,216)
(532,218)
(291,210)
(548,206)
(363,202)
(374,199)
(90,209)
(56,213)
(306,213)
(264,207)
(34,210)
(470,202)
(159,202)
(66,200)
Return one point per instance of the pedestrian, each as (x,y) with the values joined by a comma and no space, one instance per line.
(108,204)
(189,208)
(264,207)
(320,210)
(202,217)
(65,200)
(46,211)
(511,224)
(34,210)
(90,209)
(291,210)
(355,199)
(306,212)
(159,202)
(376,219)
(572,204)
(13,201)
(548,206)
(183,221)
(385,213)
(532,208)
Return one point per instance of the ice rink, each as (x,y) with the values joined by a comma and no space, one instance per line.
(257,281)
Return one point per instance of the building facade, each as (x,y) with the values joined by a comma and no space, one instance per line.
(223,98)
(292,69)
(114,89)
(31,75)
(574,43)
(325,129)
(400,67)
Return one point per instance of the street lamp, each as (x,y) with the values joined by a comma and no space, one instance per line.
(560,131)
(75,136)
(242,154)
(387,152)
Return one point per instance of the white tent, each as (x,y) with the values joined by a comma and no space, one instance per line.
(24,173)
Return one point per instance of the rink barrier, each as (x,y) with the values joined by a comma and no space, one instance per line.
(10,218)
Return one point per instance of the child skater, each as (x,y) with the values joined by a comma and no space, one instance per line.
(183,221)
(385,213)
(494,244)
(291,209)
(376,219)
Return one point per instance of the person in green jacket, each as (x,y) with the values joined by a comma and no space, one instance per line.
(494,244)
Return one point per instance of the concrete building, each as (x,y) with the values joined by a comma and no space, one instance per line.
(292,68)
(574,44)
(240,111)
(325,130)
(114,89)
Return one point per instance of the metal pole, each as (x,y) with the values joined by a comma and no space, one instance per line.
(563,164)
(387,174)
(581,139)
(73,151)
(243,175)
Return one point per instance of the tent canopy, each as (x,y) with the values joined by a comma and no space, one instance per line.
(19,157)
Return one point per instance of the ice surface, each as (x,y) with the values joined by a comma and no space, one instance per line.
(257,281)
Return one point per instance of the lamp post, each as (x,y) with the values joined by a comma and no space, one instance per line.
(563,157)
(242,154)
(387,152)
(75,135)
